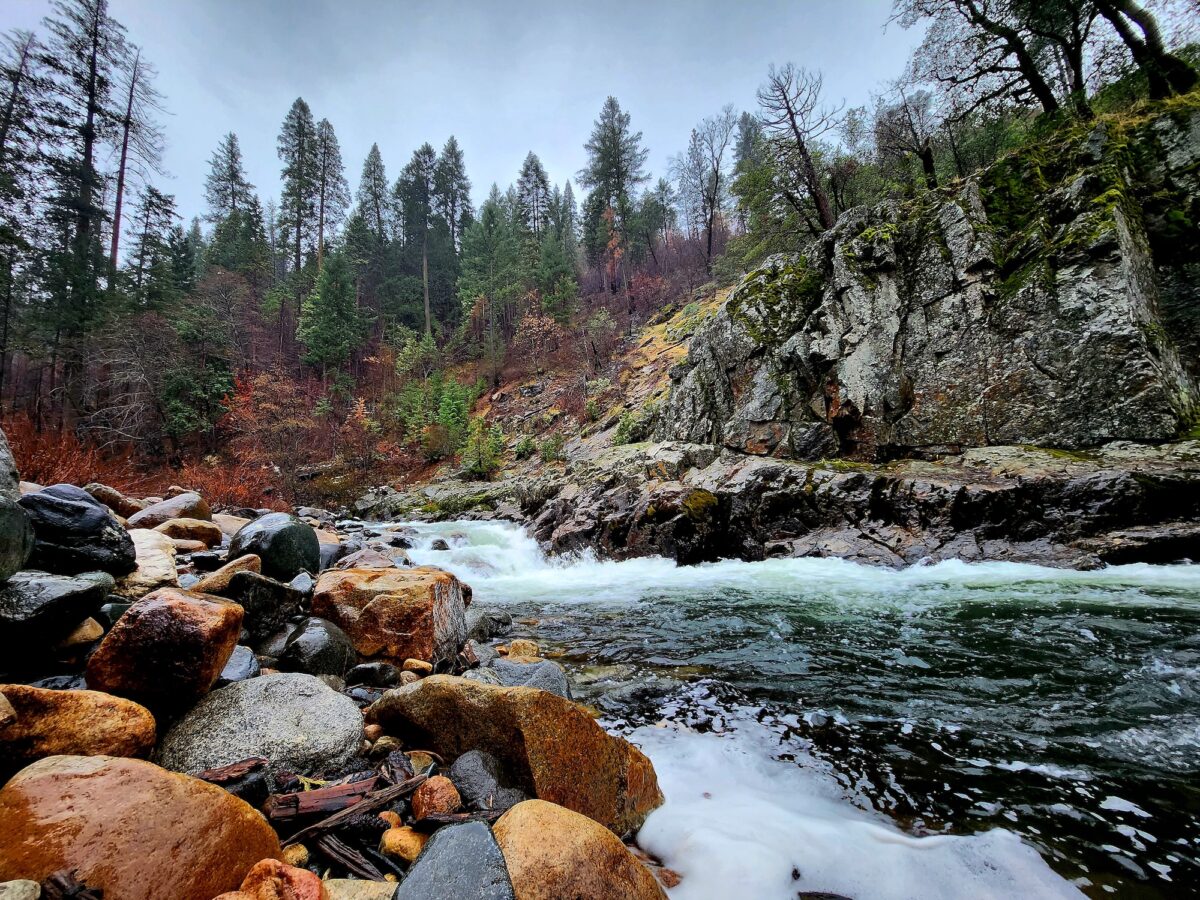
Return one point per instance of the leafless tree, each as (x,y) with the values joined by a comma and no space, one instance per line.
(905,127)
(795,117)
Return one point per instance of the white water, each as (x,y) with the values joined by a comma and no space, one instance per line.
(740,822)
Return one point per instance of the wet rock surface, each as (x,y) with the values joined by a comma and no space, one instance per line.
(38,606)
(317,647)
(129,828)
(286,545)
(460,862)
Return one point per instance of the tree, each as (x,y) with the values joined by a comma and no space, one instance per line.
(794,117)
(297,147)
(372,196)
(141,137)
(533,196)
(483,450)
(452,191)
(703,173)
(154,277)
(906,127)
(333,193)
(1139,31)
(490,279)
(414,197)
(616,166)
(331,325)
(226,189)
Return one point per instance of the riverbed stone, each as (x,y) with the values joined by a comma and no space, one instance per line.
(188,505)
(155,556)
(218,582)
(242,664)
(269,604)
(16,533)
(529,672)
(395,614)
(271,879)
(318,647)
(128,828)
(167,650)
(22,889)
(436,797)
(376,674)
(79,723)
(552,852)
(286,545)
(366,558)
(207,533)
(230,525)
(292,719)
(354,889)
(74,533)
(403,843)
(460,862)
(122,504)
(552,748)
(39,607)
(482,783)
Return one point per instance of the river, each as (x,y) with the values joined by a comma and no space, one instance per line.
(945,731)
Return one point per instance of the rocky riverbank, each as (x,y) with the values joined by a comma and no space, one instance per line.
(1122,502)
(258,706)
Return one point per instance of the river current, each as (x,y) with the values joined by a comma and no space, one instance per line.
(944,731)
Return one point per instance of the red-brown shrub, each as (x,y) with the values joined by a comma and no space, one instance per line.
(54,456)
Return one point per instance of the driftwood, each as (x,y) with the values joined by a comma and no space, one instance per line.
(285,807)
(437,820)
(246,779)
(342,853)
(224,774)
(64,886)
(369,803)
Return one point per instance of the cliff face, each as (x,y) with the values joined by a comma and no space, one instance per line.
(1050,301)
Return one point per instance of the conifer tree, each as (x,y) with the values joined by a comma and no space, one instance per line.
(372,196)
(533,196)
(616,166)
(414,197)
(452,191)
(226,189)
(331,325)
(333,193)
(297,147)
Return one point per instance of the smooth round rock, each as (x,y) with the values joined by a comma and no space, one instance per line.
(40,606)
(286,545)
(542,674)
(188,505)
(294,720)
(242,664)
(128,828)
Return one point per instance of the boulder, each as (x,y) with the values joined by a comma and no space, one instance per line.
(318,647)
(375,674)
(230,525)
(483,625)
(482,784)
(294,720)
(186,548)
(460,862)
(218,582)
(22,889)
(271,879)
(207,533)
(116,501)
(330,554)
(242,664)
(285,545)
(78,723)
(74,532)
(37,608)
(16,534)
(129,829)
(551,853)
(553,748)
(530,672)
(395,613)
(188,505)
(269,604)
(155,565)
(167,650)
(366,558)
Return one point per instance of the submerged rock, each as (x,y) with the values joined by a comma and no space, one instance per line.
(552,852)
(294,720)
(460,862)
(128,828)
(76,533)
(552,747)
(286,545)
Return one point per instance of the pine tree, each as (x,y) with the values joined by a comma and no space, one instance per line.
(226,188)
(153,276)
(373,202)
(491,274)
(333,193)
(331,325)
(297,149)
(533,196)
(452,191)
(414,197)
(616,166)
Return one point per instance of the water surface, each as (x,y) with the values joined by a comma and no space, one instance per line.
(918,733)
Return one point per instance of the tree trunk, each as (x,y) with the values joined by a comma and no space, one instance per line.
(425,279)
(11,105)
(1165,72)
(926,154)
(126,124)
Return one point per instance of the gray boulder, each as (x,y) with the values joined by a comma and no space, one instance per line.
(318,647)
(460,862)
(42,607)
(16,534)
(544,674)
(481,782)
(294,720)
(286,545)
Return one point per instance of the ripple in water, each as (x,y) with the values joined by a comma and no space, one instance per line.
(918,733)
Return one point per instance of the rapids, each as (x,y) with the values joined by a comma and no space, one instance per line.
(951,730)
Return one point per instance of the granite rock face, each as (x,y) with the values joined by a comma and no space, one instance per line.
(1025,309)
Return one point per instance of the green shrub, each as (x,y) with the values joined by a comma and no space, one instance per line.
(482,450)
(525,447)
(551,449)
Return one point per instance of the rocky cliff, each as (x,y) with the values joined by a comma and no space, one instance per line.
(1050,300)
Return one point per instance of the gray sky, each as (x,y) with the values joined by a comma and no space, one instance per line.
(504,77)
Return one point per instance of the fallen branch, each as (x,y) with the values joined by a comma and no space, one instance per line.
(285,807)
(370,803)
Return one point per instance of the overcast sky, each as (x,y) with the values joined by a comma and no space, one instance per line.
(505,77)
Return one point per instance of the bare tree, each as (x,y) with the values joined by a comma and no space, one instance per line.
(141,137)
(794,116)
(906,127)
